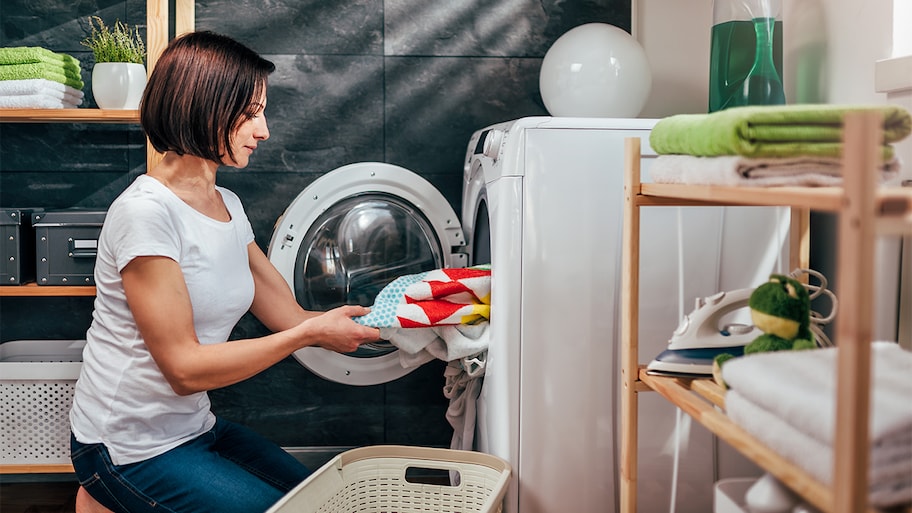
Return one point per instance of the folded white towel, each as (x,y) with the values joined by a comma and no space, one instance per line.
(890,469)
(50,88)
(36,101)
(800,386)
(754,172)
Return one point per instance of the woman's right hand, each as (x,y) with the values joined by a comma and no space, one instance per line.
(336,331)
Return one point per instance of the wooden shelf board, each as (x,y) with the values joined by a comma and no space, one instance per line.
(890,200)
(56,468)
(68,116)
(35,290)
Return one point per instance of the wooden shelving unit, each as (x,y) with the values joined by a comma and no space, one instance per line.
(157,36)
(865,210)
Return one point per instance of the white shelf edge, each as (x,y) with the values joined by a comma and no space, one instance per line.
(893,75)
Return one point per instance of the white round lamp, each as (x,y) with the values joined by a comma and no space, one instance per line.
(595,70)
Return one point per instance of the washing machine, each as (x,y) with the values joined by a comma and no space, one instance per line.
(347,235)
(542,203)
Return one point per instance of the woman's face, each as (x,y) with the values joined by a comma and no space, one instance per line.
(247,135)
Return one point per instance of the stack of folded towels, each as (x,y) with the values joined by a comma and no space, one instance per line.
(766,146)
(787,400)
(37,78)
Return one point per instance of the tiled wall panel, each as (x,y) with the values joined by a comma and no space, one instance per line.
(398,81)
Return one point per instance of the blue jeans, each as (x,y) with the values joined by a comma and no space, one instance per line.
(229,469)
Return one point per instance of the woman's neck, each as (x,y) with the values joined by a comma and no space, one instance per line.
(192,179)
(185,172)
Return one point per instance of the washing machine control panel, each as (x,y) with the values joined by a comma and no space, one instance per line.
(492,142)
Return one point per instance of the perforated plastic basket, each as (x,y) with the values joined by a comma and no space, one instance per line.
(388,478)
(37,378)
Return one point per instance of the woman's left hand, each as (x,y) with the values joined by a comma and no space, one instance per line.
(336,331)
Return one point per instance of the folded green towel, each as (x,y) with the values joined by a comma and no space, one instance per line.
(771,131)
(36,54)
(41,70)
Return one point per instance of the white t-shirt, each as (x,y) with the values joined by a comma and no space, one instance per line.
(122,399)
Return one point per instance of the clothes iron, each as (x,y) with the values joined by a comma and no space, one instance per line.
(701,336)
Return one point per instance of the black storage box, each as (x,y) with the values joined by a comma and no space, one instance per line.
(66,245)
(17,246)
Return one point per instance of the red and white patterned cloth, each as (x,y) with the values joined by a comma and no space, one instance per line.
(441,297)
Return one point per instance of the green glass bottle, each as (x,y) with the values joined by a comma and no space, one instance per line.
(745,54)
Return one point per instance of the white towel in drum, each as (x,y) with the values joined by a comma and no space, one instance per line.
(448,343)
(465,347)
(754,172)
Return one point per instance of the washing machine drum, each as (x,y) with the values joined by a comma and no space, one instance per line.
(346,236)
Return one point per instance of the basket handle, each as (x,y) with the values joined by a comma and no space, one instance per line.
(426,454)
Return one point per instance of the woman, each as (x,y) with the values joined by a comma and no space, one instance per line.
(177,267)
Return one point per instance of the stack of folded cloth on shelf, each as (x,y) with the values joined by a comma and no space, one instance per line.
(766,146)
(787,400)
(32,77)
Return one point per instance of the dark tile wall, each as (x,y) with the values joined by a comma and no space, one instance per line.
(398,81)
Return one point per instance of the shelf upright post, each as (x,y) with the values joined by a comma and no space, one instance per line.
(630,301)
(800,240)
(156,41)
(184,16)
(863,139)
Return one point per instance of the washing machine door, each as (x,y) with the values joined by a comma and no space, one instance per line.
(346,236)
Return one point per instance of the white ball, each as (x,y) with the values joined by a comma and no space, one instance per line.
(595,70)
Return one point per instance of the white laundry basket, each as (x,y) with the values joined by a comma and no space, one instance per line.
(37,379)
(374,479)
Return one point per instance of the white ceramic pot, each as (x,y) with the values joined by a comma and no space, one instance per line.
(118,85)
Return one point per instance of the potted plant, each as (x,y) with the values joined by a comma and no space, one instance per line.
(119,75)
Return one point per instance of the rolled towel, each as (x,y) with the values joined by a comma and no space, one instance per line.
(36,101)
(771,131)
(41,70)
(36,54)
(43,86)
(755,172)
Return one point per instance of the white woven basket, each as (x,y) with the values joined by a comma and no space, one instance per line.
(374,480)
(37,379)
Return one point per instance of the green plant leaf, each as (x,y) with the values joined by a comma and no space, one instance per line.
(118,44)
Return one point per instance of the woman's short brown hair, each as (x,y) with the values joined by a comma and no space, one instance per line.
(203,86)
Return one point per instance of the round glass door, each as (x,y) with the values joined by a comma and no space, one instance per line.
(348,234)
(356,247)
